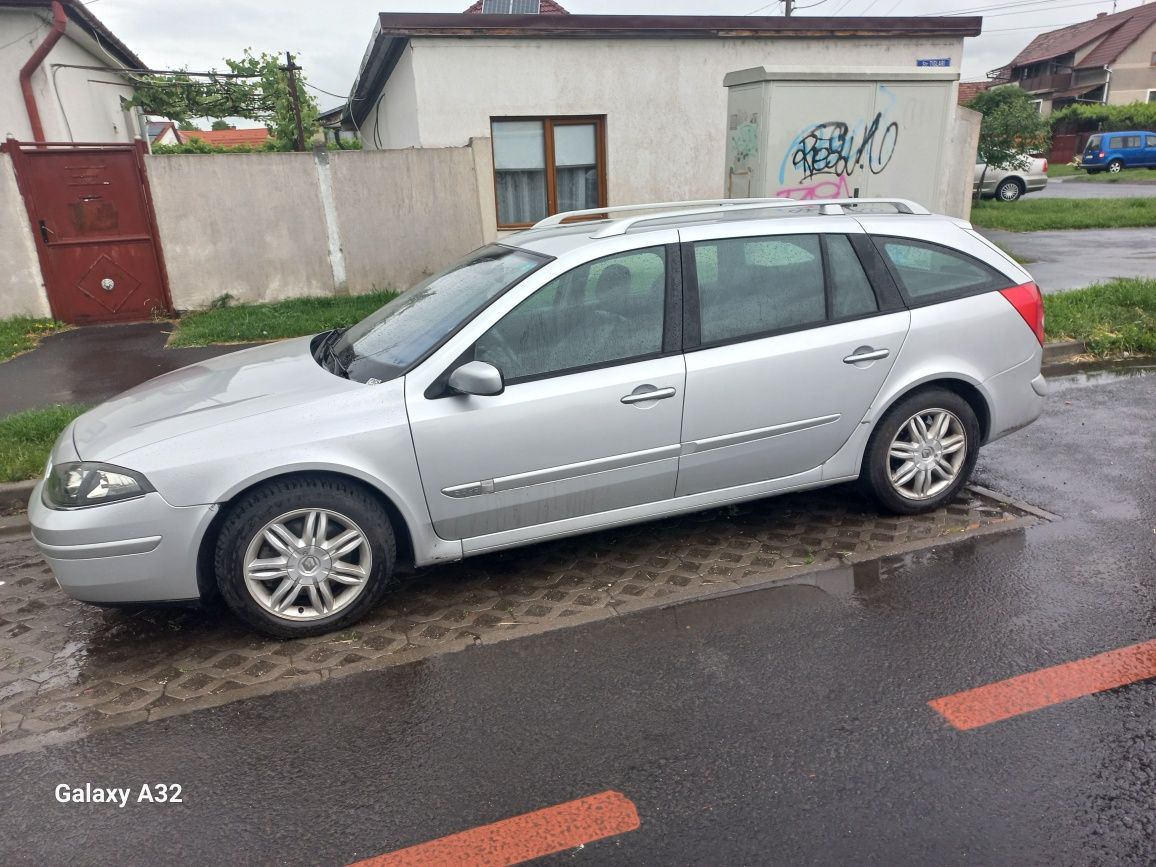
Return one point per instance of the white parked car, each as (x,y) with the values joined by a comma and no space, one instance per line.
(573,377)
(1007,185)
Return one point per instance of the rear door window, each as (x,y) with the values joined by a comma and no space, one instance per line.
(1127,141)
(929,273)
(753,287)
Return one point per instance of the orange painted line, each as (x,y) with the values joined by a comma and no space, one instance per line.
(1048,686)
(521,838)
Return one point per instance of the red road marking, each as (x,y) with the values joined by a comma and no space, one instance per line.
(531,835)
(1038,689)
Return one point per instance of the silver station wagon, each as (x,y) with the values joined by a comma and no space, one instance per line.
(599,369)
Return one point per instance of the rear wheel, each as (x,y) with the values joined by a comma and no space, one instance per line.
(922,452)
(1115,166)
(1008,191)
(304,556)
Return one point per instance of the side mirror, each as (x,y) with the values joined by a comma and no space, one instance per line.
(477,377)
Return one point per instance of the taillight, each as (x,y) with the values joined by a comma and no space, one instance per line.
(1029,303)
(1045,167)
(1101,154)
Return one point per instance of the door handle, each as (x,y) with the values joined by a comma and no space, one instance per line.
(44,231)
(866,353)
(653,394)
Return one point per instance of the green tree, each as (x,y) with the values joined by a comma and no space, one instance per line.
(261,93)
(220,124)
(186,124)
(1011,128)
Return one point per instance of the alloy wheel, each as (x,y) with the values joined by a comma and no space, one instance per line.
(926,454)
(307,564)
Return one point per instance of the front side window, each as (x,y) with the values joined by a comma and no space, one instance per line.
(386,343)
(543,166)
(926,270)
(603,312)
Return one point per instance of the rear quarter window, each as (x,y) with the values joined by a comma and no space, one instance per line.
(928,273)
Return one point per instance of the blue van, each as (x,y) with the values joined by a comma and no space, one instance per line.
(1112,151)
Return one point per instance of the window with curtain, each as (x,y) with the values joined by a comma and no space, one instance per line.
(543,166)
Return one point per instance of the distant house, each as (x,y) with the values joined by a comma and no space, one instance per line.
(969,90)
(332,129)
(163,132)
(254,137)
(58,75)
(1109,59)
(586,111)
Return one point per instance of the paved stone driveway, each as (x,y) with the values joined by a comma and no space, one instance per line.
(68,669)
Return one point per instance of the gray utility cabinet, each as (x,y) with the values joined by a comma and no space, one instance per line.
(835,135)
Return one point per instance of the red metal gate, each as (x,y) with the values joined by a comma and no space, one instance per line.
(95,230)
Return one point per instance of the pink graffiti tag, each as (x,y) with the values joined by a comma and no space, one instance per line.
(825,189)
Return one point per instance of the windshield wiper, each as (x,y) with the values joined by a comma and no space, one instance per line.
(328,356)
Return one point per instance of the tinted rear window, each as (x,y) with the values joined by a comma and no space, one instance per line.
(929,272)
(1093,143)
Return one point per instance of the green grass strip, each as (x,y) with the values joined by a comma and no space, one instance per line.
(26,439)
(253,323)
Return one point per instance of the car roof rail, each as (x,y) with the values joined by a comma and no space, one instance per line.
(709,204)
(827,207)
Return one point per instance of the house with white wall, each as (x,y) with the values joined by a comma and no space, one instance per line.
(72,92)
(598,110)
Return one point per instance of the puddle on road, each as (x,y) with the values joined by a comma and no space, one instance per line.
(865,583)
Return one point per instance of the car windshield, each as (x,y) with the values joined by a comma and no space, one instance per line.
(386,343)
(1093,143)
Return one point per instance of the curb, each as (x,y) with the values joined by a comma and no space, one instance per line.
(15,528)
(1063,350)
(15,495)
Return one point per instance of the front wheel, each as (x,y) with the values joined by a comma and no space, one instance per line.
(1008,191)
(304,556)
(922,452)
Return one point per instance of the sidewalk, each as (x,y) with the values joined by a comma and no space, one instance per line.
(91,364)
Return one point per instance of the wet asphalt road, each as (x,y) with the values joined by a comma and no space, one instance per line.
(1063,188)
(1075,258)
(91,364)
(781,726)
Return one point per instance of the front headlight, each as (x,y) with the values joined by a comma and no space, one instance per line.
(74,484)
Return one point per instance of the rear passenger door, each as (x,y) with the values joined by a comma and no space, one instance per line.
(787,344)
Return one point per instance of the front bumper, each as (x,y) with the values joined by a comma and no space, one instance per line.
(140,550)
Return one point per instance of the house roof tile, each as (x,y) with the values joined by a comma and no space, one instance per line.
(1120,30)
(254,137)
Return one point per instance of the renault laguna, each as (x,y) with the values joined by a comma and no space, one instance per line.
(597,370)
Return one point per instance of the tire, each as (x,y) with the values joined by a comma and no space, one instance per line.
(1009,191)
(331,583)
(1115,166)
(895,429)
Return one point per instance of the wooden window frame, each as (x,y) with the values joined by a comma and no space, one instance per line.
(548,124)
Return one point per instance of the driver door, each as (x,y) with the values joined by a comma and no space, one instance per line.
(573,433)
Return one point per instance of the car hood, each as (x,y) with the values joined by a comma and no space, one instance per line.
(213,392)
